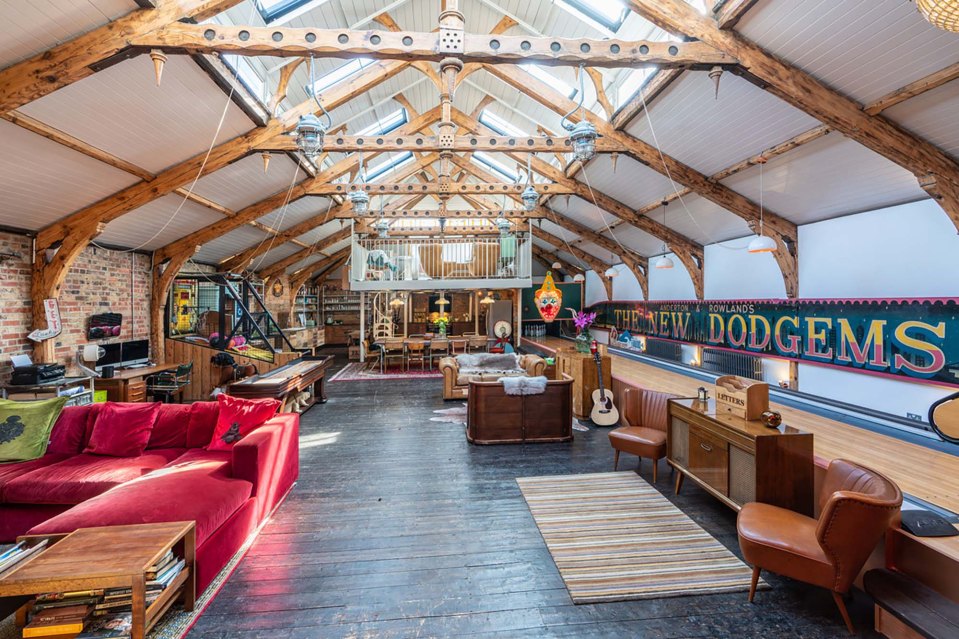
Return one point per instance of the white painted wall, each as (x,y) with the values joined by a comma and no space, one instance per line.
(734,273)
(670,284)
(625,285)
(595,291)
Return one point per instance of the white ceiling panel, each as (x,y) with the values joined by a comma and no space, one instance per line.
(123,112)
(635,239)
(158,223)
(28,27)
(296,211)
(275,254)
(581,211)
(42,181)
(701,220)
(631,183)
(598,252)
(317,234)
(243,183)
(558,231)
(236,241)
(828,177)
(932,116)
(711,134)
(863,48)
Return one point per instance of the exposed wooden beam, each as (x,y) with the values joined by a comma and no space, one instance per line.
(426,143)
(407,188)
(597,265)
(732,11)
(448,214)
(301,277)
(596,76)
(322,273)
(280,266)
(798,88)
(426,47)
(283,84)
(64,64)
(777,227)
(550,258)
(67,140)
(913,89)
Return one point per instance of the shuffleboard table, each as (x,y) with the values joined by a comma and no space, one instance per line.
(287,382)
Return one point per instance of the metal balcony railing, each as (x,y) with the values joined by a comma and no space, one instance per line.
(504,258)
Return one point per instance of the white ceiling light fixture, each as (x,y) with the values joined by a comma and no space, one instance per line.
(530,196)
(664,261)
(557,266)
(359,198)
(579,277)
(442,301)
(583,134)
(611,272)
(761,243)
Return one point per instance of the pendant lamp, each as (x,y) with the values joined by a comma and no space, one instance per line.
(583,134)
(664,262)
(761,243)
(943,14)
(579,277)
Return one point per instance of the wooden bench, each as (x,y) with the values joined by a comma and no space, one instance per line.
(907,609)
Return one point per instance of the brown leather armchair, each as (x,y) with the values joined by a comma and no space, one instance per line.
(646,415)
(856,506)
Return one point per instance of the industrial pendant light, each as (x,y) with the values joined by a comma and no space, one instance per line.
(579,277)
(442,301)
(583,134)
(761,243)
(396,302)
(310,129)
(664,261)
(382,226)
(530,196)
(502,224)
(556,266)
(359,198)
(611,272)
(940,13)
(488,299)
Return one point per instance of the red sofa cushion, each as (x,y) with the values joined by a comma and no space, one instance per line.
(238,417)
(201,491)
(81,477)
(69,433)
(202,423)
(9,472)
(170,429)
(123,429)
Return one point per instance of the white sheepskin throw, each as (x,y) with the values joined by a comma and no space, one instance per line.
(523,385)
(488,361)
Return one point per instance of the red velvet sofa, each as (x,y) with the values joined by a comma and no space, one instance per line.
(227,493)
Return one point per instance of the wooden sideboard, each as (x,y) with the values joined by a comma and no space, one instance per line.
(582,368)
(740,461)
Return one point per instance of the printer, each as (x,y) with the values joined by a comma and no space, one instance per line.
(34,374)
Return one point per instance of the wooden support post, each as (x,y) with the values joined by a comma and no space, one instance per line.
(163,276)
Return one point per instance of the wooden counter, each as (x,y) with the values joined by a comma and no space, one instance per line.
(129,384)
(338,333)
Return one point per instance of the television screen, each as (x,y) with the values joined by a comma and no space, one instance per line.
(111,355)
(136,351)
(103,325)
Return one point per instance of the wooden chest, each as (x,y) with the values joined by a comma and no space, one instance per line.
(582,368)
(740,461)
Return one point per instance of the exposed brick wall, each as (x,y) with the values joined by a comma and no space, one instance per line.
(100,281)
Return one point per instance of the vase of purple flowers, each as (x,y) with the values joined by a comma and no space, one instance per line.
(582,321)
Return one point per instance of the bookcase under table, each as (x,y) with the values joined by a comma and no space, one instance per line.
(109,557)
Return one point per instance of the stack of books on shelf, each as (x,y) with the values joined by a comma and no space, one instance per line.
(96,614)
(15,555)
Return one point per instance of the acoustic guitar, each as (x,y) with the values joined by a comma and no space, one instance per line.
(604,412)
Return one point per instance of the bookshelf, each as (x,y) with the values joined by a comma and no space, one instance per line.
(340,312)
(306,307)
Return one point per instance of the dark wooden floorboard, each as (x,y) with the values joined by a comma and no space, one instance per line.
(399,528)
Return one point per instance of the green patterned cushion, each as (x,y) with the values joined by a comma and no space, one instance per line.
(25,427)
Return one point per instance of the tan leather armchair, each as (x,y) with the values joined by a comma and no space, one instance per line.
(856,507)
(456,382)
(645,415)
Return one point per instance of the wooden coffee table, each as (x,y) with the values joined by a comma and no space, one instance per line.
(109,557)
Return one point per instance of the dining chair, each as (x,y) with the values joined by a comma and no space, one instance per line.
(416,352)
(391,348)
(439,348)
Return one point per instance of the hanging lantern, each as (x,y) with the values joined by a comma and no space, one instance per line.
(488,299)
(664,262)
(762,243)
(549,299)
(611,272)
(360,200)
(943,14)
(530,198)
(503,225)
(442,301)
(382,228)
(309,135)
(583,137)
(396,302)
(579,277)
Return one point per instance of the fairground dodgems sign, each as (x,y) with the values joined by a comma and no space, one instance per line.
(907,338)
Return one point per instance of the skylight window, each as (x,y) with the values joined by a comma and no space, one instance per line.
(247,75)
(274,9)
(390,123)
(632,83)
(388,165)
(500,125)
(497,167)
(545,76)
(339,74)
(611,14)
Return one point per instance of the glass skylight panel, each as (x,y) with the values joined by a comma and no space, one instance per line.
(496,166)
(390,123)
(247,76)
(388,165)
(273,9)
(608,13)
(635,79)
(500,125)
(339,74)
(545,76)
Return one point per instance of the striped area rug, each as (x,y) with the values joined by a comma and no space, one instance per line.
(614,537)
